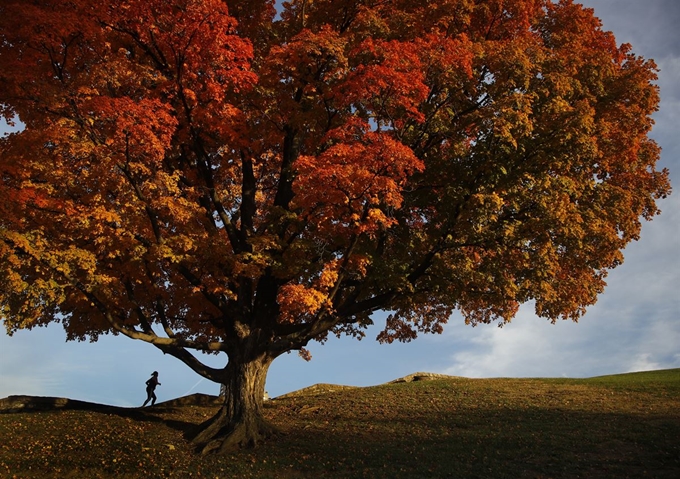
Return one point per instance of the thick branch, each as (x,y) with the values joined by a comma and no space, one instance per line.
(205,169)
(151,337)
(196,282)
(248,188)
(284,194)
(155,53)
(153,217)
(190,360)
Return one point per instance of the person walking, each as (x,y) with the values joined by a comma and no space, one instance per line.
(151,384)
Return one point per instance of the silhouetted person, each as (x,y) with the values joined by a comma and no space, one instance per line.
(151,384)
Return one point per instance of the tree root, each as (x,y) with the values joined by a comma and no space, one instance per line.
(219,435)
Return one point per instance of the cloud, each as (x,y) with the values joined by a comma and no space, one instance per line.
(603,342)
(650,25)
(643,362)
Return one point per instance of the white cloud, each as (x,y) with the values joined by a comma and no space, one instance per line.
(643,362)
(618,340)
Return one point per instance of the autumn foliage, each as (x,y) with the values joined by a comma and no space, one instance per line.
(215,176)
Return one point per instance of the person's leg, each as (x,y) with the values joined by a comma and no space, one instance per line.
(153,398)
(148,397)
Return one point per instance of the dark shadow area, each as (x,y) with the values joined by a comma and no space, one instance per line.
(17,404)
(35,404)
(488,444)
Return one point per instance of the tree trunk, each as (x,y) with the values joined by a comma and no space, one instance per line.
(239,422)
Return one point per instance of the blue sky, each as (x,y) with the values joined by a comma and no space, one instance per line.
(634,326)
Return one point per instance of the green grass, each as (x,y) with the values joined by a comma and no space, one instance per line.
(606,427)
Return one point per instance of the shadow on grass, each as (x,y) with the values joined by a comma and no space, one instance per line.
(490,443)
(37,404)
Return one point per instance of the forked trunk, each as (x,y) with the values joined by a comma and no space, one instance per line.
(239,421)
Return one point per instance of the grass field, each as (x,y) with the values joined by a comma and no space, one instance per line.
(606,427)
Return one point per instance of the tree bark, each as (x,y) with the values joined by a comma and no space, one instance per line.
(239,421)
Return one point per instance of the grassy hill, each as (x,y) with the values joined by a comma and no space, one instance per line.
(606,427)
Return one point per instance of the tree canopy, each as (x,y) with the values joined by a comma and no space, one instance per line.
(217,176)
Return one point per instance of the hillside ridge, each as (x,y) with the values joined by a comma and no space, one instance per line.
(25,403)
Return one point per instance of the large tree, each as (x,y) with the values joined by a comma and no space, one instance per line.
(216,177)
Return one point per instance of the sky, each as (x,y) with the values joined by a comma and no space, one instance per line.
(634,326)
